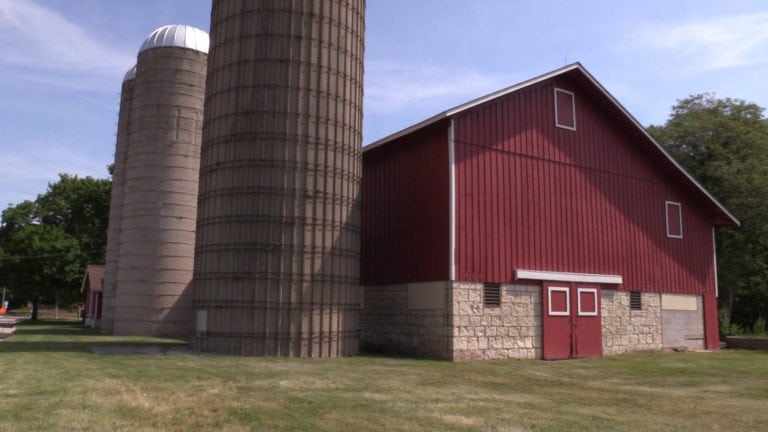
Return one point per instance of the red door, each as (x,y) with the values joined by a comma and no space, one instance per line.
(571,321)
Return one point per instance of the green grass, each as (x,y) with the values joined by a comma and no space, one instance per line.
(49,380)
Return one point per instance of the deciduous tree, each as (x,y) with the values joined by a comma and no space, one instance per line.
(723,143)
(42,264)
(46,244)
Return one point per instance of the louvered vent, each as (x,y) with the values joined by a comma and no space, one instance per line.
(635,301)
(491,295)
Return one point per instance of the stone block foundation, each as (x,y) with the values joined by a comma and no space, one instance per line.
(626,330)
(409,319)
(449,320)
(510,331)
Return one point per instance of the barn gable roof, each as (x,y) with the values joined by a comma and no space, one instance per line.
(724,217)
(94,278)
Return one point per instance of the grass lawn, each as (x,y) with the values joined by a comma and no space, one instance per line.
(49,380)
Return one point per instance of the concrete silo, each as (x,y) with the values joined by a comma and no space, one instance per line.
(116,203)
(157,230)
(278,232)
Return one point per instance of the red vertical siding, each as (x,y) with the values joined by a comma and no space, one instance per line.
(405,209)
(530,195)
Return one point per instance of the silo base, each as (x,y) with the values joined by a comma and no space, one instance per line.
(264,334)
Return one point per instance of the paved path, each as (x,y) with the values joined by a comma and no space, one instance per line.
(8,326)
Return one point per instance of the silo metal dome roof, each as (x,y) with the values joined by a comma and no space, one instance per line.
(177,35)
(130,74)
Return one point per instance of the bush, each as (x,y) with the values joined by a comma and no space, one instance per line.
(759,327)
(727,328)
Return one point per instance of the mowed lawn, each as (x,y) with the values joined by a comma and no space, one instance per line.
(49,380)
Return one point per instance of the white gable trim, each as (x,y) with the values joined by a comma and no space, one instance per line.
(452,202)
(568,277)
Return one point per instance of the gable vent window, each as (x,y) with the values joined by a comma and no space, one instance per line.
(565,109)
(674,214)
(492,295)
(635,300)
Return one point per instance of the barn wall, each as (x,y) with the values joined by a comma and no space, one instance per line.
(682,321)
(510,331)
(405,209)
(625,330)
(534,196)
(410,319)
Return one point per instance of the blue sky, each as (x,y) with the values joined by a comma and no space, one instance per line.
(62,63)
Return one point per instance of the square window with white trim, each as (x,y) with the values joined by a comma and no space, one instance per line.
(565,109)
(587,301)
(674,215)
(559,301)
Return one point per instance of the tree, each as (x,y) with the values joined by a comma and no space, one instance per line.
(80,206)
(16,217)
(44,263)
(723,143)
(48,243)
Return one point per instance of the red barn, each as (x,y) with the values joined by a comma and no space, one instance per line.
(540,221)
(93,289)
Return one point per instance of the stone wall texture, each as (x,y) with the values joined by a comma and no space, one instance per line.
(389,325)
(626,330)
(743,342)
(511,331)
(457,326)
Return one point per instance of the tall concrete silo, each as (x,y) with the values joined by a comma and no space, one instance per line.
(157,232)
(278,232)
(116,203)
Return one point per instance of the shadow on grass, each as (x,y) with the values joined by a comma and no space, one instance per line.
(70,336)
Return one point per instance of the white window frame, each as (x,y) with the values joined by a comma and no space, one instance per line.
(567,292)
(667,204)
(573,109)
(594,292)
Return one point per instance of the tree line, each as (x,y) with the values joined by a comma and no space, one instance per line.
(46,244)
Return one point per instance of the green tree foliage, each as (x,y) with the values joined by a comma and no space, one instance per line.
(16,217)
(723,143)
(80,206)
(44,265)
(46,244)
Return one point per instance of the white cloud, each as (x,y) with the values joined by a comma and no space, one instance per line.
(394,87)
(32,36)
(716,43)
(26,168)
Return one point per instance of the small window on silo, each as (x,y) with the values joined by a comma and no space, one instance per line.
(491,295)
(635,300)
(565,109)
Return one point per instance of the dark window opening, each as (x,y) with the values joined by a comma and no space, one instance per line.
(492,295)
(635,300)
